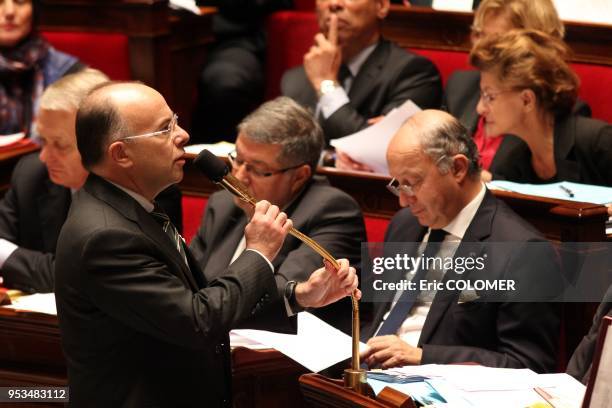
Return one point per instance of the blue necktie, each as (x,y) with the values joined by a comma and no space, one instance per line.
(401,309)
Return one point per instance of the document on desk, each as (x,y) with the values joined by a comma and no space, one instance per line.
(316,346)
(563,190)
(38,302)
(369,146)
(189,5)
(218,149)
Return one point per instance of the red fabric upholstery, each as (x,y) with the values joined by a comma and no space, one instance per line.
(107,52)
(304,5)
(290,35)
(193,210)
(595,86)
(446,61)
(375,228)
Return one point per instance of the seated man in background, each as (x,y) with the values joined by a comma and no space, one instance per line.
(35,207)
(436,173)
(351,74)
(277,150)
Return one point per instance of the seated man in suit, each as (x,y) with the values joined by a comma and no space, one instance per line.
(35,207)
(276,155)
(436,173)
(351,74)
(579,365)
(141,324)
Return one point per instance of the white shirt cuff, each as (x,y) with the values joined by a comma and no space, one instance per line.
(262,255)
(6,249)
(331,102)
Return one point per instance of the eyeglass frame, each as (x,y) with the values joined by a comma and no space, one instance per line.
(169,130)
(489,97)
(409,189)
(251,170)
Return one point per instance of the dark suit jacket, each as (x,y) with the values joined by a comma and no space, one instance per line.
(324,213)
(496,334)
(139,327)
(583,153)
(389,77)
(579,365)
(31,215)
(460,100)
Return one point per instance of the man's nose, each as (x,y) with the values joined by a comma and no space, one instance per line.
(335,5)
(241,173)
(182,137)
(406,200)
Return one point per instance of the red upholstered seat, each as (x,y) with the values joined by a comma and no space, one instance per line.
(595,86)
(107,52)
(290,35)
(375,228)
(446,61)
(193,210)
(304,5)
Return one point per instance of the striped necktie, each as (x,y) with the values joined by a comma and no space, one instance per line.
(164,221)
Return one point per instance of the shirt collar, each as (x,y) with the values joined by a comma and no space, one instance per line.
(355,64)
(146,204)
(462,221)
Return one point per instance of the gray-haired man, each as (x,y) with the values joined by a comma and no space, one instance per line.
(277,149)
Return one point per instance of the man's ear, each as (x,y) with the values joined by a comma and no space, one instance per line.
(460,167)
(301,176)
(119,153)
(382,8)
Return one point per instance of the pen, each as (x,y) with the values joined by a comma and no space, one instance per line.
(567,191)
(551,400)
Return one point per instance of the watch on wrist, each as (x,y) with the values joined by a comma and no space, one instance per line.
(327,86)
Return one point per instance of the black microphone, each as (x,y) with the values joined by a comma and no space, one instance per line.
(218,172)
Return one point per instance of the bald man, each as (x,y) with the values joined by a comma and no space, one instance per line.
(141,324)
(436,176)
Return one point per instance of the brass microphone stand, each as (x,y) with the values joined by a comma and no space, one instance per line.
(354,377)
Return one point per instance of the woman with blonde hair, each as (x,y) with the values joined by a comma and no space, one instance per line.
(495,17)
(527,89)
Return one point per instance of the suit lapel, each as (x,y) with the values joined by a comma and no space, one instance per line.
(478,230)
(368,76)
(134,212)
(53,208)
(568,168)
(225,244)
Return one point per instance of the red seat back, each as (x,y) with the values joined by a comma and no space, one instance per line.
(107,52)
(193,210)
(446,61)
(595,86)
(290,35)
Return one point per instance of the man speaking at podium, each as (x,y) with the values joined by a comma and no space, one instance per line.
(436,173)
(140,323)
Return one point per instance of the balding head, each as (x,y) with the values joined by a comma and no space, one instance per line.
(436,163)
(440,136)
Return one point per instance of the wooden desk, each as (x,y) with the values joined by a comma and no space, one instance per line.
(31,354)
(422,27)
(558,220)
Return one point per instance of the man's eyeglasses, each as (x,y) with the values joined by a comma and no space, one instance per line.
(409,189)
(237,162)
(166,132)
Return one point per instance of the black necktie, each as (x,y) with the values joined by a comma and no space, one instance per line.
(402,307)
(343,75)
(164,221)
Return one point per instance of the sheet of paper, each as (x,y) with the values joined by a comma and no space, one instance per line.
(218,149)
(6,140)
(316,346)
(189,5)
(452,5)
(39,302)
(581,192)
(236,340)
(369,146)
